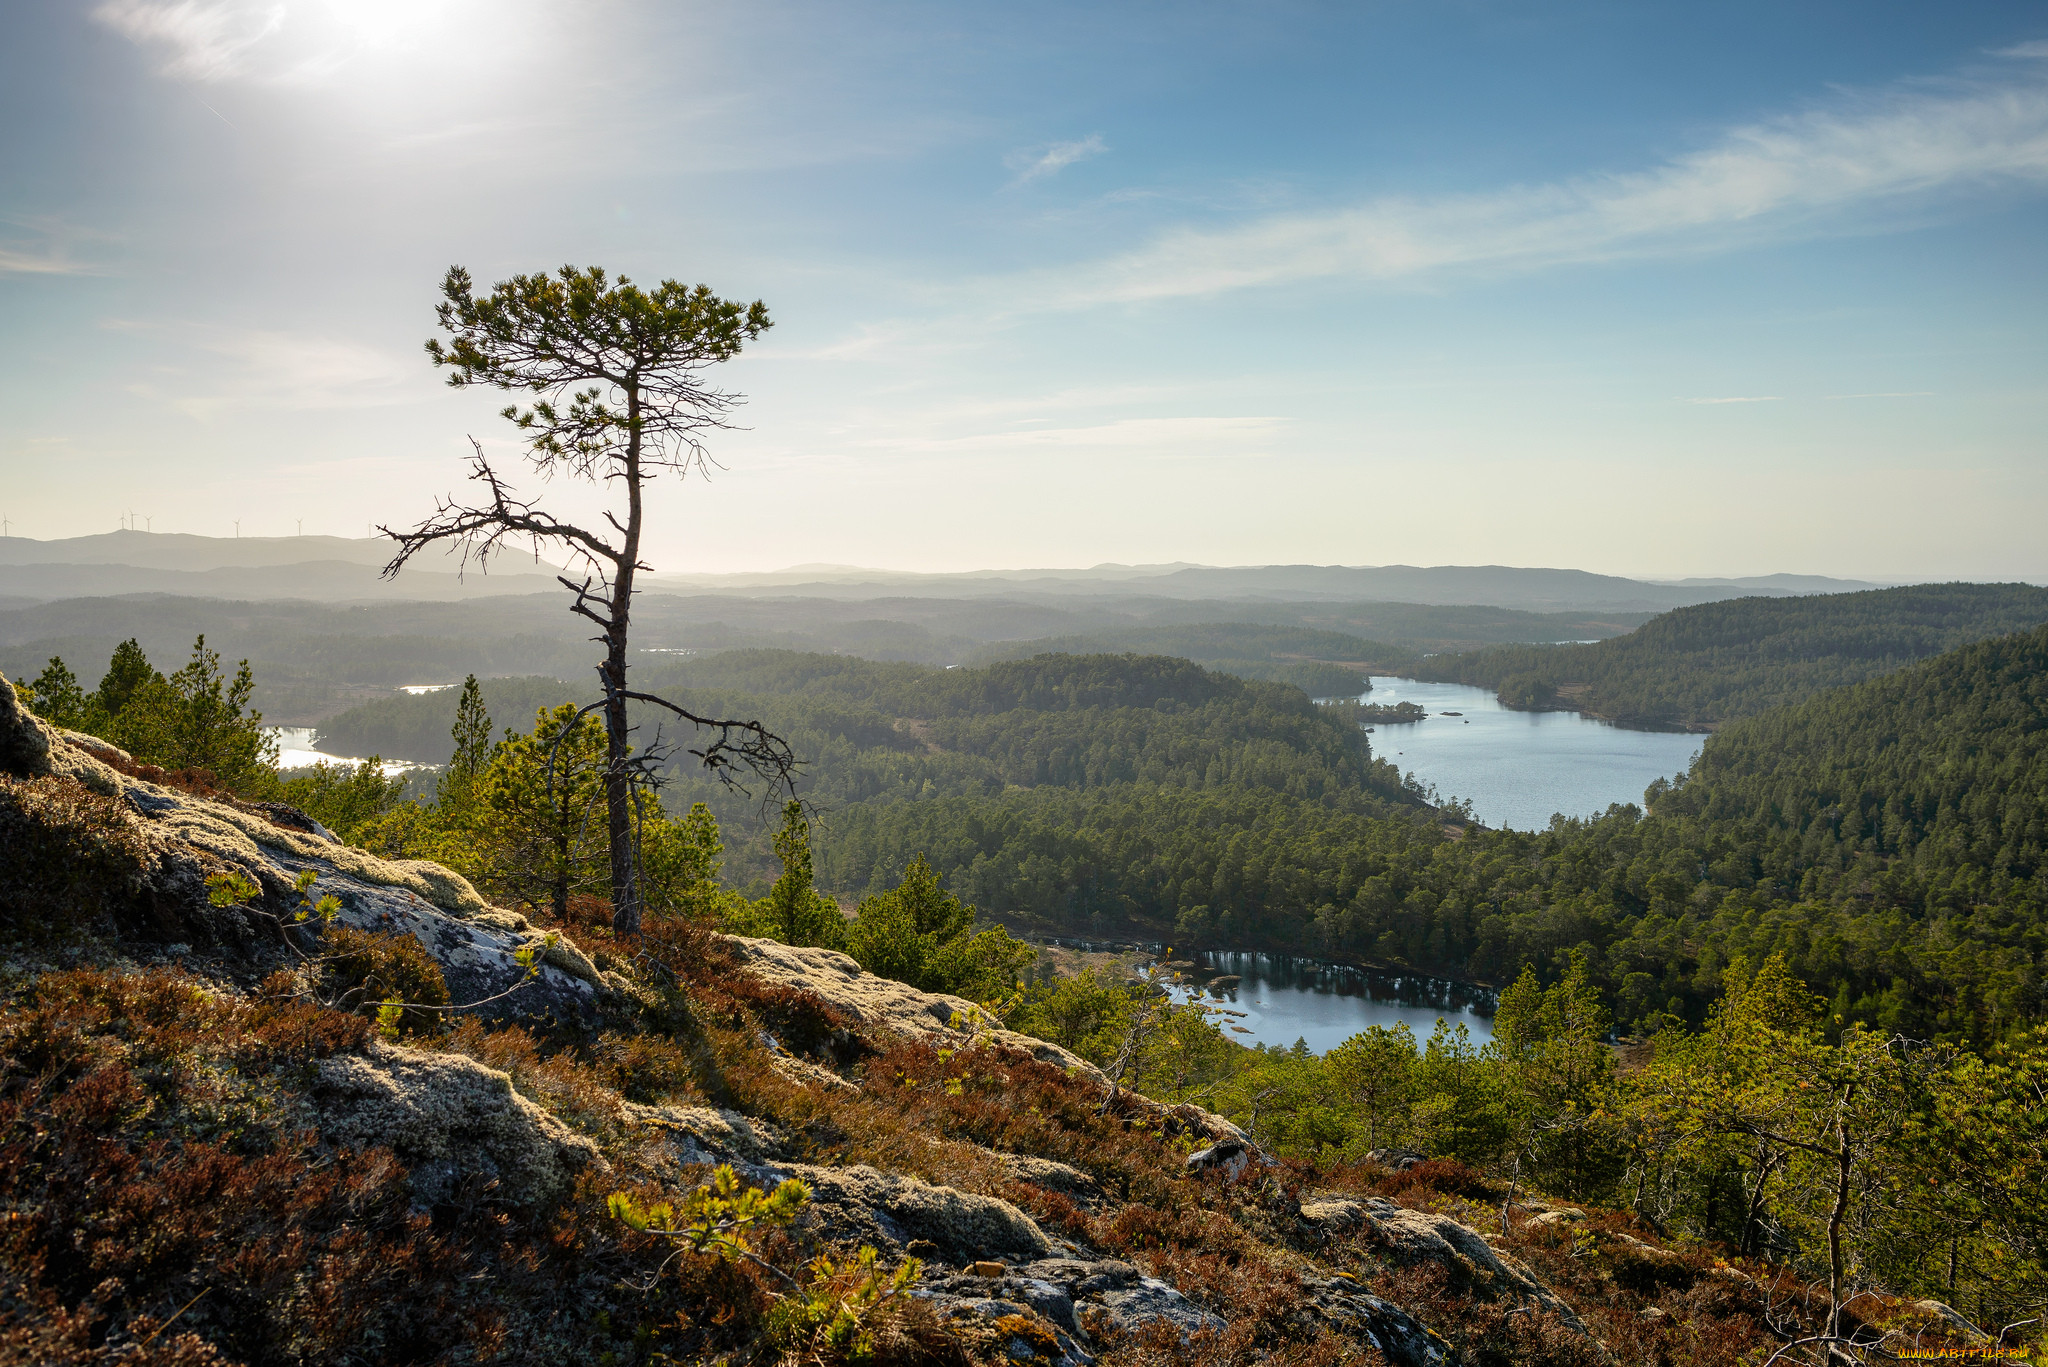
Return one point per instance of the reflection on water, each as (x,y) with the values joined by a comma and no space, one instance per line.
(296,750)
(1516,768)
(1277,999)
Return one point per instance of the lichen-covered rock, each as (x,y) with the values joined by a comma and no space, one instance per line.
(1228,1157)
(1414,1236)
(189,838)
(1935,1312)
(1333,1215)
(1357,1314)
(1053,1176)
(705,1134)
(883,1003)
(24,741)
(878,1002)
(860,1205)
(1150,1300)
(1070,1294)
(450,1119)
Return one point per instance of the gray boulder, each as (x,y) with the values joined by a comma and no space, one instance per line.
(450,1119)
(860,1205)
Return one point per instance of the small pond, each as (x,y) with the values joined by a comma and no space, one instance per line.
(1277,999)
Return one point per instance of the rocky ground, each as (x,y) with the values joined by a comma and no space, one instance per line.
(210,1153)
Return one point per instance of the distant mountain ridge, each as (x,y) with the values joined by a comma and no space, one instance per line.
(346,569)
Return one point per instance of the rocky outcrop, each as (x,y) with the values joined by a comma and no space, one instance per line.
(455,1123)
(1053,1176)
(860,1205)
(706,1134)
(1350,1310)
(882,1003)
(887,1005)
(1078,1299)
(1408,1237)
(191,838)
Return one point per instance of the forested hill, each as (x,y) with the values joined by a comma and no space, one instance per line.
(1323,664)
(1705,665)
(872,732)
(1887,838)
(1928,788)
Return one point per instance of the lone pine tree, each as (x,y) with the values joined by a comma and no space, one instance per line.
(620,395)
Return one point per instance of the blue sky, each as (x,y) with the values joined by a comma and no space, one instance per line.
(1646,289)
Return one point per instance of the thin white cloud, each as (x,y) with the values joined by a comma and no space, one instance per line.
(1052,160)
(46,262)
(1757,398)
(45,246)
(260,369)
(1125,432)
(202,40)
(1820,170)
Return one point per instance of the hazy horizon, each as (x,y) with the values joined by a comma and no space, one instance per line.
(1658,294)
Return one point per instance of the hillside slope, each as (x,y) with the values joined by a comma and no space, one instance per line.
(268,1168)
(1700,666)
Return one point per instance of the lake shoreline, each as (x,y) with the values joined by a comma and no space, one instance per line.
(1566,704)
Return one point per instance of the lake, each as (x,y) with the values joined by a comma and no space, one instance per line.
(295,750)
(1278,999)
(1517,768)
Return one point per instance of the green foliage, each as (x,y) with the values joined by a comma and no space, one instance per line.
(920,934)
(1374,1072)
(456,791)
(196,719)
(833,1318)
(794,911)
(1083,1012)
(679,862)
(231,888)
(346,798)
(539,830)
(1718,661)
(57,697)
(719,1219)
(127,672)
(541,332)
(1557,1079)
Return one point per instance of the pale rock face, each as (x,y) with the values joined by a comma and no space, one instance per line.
(475,944)
(448,1118)
(1053,1176)
(706,1134)
(1412,1236)
(864,1206)
(1937,1310)
(889,1005)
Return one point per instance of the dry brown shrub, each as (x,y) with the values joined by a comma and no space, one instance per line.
(1238,1346)
(73,861)
(1445,1176)
(361,969)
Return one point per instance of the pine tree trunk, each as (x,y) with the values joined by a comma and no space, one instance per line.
(617,789)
